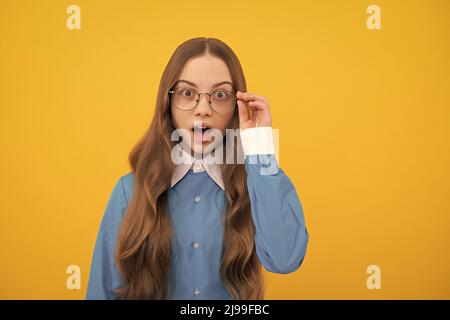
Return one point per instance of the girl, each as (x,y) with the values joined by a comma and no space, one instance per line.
(196,229)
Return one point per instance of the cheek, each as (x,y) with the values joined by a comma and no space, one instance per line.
(222,124)
(225,122)
(177,118)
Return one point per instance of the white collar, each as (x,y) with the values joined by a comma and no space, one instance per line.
(197,165)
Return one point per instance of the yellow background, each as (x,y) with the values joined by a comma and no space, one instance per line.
(363,118)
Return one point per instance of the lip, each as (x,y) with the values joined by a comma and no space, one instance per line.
(202,134)
(201,125)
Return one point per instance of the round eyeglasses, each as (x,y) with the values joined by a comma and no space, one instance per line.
(221,101)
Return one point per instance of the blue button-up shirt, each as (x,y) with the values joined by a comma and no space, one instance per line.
(197,204)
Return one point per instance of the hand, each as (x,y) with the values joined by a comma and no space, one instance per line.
(253,111)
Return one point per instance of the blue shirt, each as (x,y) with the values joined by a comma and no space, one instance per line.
(197,204)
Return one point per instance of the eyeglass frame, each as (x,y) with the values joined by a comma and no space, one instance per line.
(199,96)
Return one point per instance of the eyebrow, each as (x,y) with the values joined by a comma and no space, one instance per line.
(213,86)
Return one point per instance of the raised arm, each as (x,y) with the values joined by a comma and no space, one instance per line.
(281,236)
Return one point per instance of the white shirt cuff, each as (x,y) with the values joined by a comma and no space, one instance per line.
(257,140)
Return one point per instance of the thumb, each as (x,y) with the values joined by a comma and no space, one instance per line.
(243,113)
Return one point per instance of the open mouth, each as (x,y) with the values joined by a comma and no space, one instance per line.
(201,132)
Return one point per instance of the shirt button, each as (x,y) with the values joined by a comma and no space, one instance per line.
(197,198)
(196,245)
(197,166)
(196,292)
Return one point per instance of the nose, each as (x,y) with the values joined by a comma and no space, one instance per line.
(203,108)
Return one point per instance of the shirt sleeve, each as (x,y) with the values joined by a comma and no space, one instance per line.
(281,236)
(104,276)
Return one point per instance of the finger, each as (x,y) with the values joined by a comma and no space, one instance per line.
(254,116)
(248,96)
(251,96)
(243,111)
(239,94)
(257,105)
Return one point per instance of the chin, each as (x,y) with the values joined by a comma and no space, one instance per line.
(201,148)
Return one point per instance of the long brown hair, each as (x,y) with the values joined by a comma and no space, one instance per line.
(143,250)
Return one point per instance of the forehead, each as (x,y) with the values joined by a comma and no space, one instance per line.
(205,71)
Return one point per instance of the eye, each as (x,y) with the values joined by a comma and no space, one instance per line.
(187,92)
(221,94)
